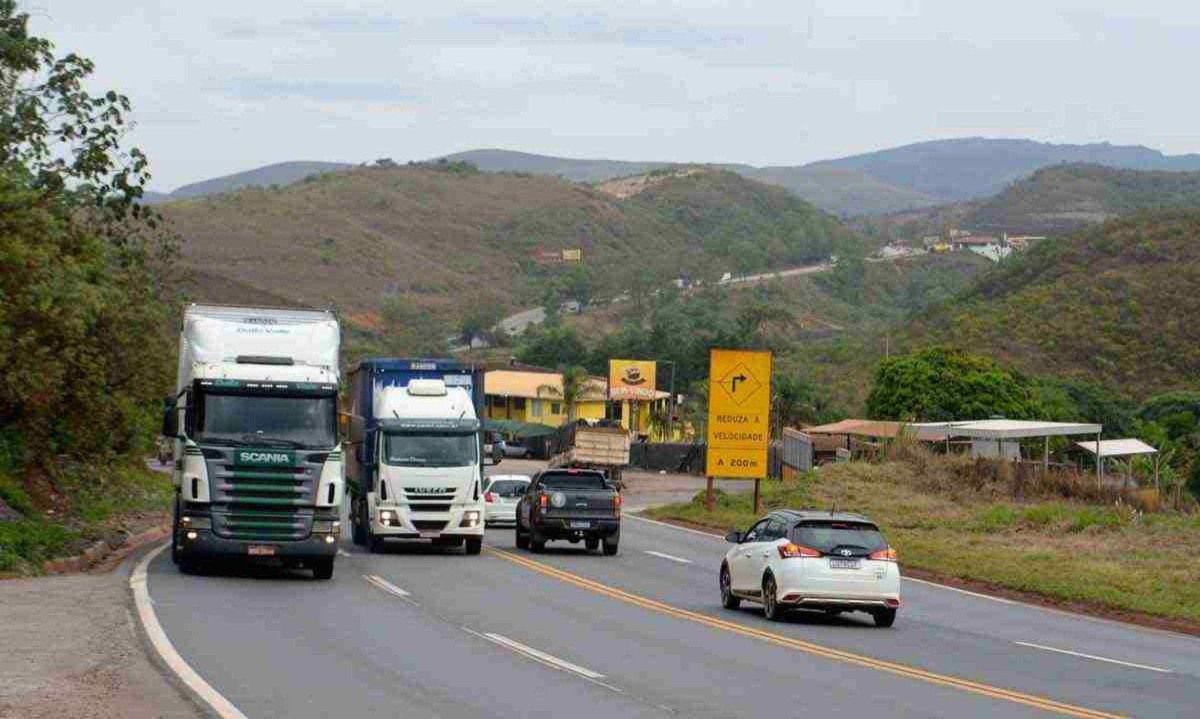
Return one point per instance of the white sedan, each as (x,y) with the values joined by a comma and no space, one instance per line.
(500,495)
(827,561)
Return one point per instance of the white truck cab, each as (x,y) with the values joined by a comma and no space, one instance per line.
(429,466)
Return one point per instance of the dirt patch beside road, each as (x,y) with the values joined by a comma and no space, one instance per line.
(72,650)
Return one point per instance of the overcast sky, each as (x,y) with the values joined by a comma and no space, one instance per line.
(221,86)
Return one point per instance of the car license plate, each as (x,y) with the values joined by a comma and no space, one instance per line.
(430,535)
(835,563)
(260,550)
(581,525)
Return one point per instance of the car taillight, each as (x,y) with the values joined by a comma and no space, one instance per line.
(794,551)
(489,497)
(885,555)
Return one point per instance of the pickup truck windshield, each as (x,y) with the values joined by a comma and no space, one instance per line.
(304,422)
(825,536)
(573,481)
(439,449)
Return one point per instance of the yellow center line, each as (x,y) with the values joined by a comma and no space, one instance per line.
(807,647)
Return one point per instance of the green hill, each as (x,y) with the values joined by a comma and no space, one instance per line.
(1062,198)
(447,237)
(1112,304)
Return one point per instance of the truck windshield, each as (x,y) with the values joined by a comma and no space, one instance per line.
(303,422)
(439,449)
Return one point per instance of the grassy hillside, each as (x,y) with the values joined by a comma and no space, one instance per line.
(446,237)
(1057,199)
(968,168)
(1111,304)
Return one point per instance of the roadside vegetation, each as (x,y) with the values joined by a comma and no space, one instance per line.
(956,518)
(84,355)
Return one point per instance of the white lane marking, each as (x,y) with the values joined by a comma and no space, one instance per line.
(539,656)
(344,553)
(139,584)
(1093,656)
(977,595)
(680,560)
(675,526)
(385,585)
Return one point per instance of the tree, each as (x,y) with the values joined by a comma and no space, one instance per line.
(480,320)
(409,329)
(84,353)
(942,384)
(576,283)
(575,384)
(552,346)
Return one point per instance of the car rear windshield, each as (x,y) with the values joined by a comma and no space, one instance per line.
(508,487)
(588,480)
(825,536)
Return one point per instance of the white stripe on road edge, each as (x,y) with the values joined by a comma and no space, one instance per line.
(977,595)
(166,651)
(385,585)
(675,526)
(681,560)
(1093,656)
(539,656)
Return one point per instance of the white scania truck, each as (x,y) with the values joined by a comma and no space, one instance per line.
(258,467)
(416,469)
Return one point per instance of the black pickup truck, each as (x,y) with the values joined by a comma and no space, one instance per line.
(569,504)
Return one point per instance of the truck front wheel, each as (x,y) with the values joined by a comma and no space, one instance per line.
(474,545)
(358,527)
(322,568)
(175,532)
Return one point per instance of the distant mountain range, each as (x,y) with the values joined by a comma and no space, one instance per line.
(903,178)
(282,173)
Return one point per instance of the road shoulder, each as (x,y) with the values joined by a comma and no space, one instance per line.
(78,652)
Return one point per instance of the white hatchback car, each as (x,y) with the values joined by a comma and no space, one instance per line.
(827,561)
(500,496)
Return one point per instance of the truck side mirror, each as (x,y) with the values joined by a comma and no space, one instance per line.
(170,422)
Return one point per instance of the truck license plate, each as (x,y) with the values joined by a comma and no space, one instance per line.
(581,525)
(430,535)
(260,550)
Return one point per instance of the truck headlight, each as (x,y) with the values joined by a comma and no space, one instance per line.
(386,517)
(195,522)
(470,519)
(326,526)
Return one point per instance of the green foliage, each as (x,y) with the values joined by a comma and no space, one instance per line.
(410,330)
(552,346)
(26,543)
(943,384)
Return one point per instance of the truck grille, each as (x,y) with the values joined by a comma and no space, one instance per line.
(429,525)
(262,503)
(428,507)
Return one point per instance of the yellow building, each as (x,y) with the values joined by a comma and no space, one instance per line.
(536,397)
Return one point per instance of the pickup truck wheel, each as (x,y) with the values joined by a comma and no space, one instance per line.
(322,568)
(474,545)
(591,543)
(610,547)
(537,545)
(522,540)
(884,617)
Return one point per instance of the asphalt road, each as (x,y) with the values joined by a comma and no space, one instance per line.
(423,632)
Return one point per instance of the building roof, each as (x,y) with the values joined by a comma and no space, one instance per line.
(976,240)
(876,429)
(1119,447)
(1006,429)
(542,385)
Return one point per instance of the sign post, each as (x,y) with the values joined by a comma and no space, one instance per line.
(739,412)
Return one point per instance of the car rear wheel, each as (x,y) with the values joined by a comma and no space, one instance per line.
(728,599)
(771,608)
(884,617)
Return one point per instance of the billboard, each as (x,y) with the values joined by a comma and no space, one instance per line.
(631,379)
(739,413)
(575,255)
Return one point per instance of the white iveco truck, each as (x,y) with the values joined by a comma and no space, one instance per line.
(258,468)
(417,470)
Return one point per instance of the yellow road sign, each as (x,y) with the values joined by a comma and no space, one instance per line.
(739,412)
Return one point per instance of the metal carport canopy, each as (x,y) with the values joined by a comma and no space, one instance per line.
(1119,447)
(1008,428)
